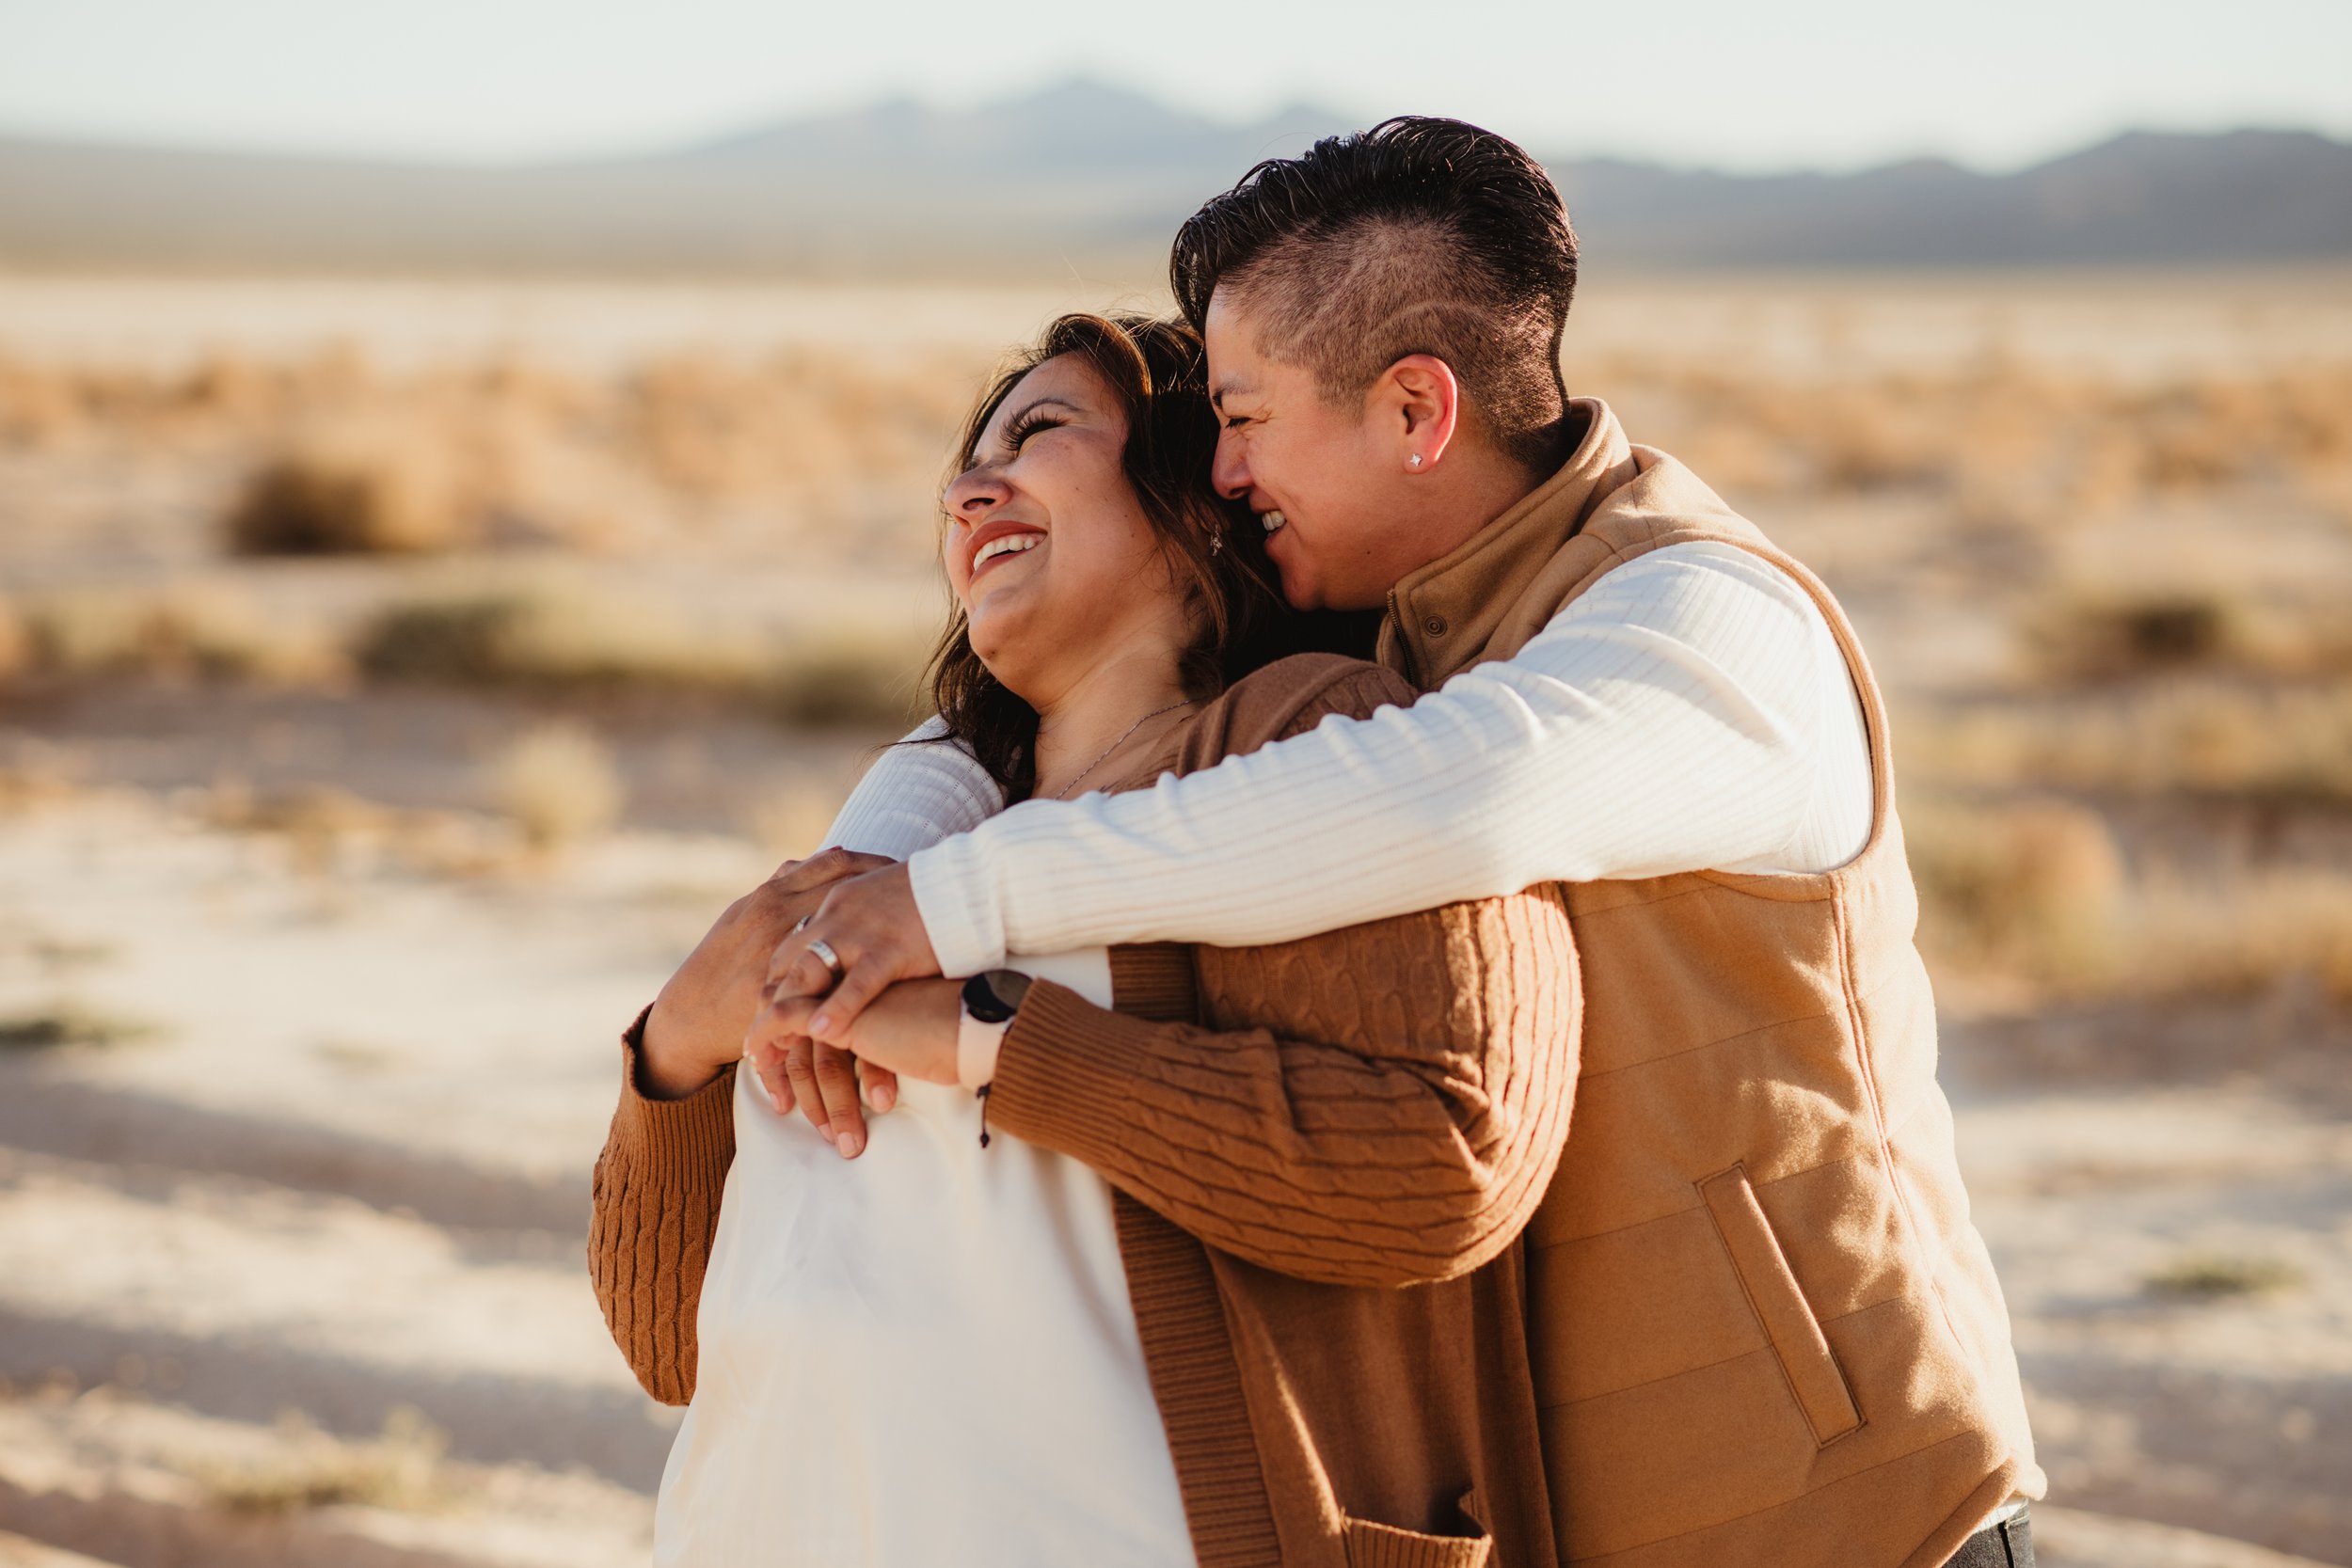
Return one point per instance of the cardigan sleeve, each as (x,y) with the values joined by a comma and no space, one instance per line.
(1385,1147)
(1380,1105)
(653,1211)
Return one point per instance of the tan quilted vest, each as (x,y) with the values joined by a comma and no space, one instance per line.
(1764,1330)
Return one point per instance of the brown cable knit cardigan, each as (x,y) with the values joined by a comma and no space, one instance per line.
(1324,1154)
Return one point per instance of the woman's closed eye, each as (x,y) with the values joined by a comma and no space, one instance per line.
(1017,433)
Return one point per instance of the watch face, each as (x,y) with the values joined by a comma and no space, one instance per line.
(981,1001)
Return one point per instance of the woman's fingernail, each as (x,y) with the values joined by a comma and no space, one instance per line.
(885,1095)
(846,1143)
(820,1023)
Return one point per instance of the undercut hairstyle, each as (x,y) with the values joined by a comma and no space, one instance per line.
(1418,236)
(1157,376)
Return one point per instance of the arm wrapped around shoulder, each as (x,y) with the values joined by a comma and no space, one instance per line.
(1379,1105)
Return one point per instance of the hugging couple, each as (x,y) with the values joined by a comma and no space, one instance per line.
(1470,1103)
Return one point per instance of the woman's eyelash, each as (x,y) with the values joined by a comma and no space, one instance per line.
(1028,425)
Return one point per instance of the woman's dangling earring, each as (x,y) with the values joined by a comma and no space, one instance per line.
(1216,542)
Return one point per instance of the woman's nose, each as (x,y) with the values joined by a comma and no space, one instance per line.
(972,494)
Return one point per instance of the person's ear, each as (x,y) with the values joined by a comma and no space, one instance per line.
(1421,403)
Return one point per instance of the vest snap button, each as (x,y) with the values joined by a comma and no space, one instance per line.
(1435,625)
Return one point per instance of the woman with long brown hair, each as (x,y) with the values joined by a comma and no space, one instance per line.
(1157,1317)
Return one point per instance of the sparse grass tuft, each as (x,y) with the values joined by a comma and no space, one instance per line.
(68,1025)
(2214,1276)
(309,1469)
(559,785)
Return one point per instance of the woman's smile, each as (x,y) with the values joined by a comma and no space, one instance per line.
(996,542)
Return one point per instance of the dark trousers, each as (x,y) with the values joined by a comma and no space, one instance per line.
(2006,1545)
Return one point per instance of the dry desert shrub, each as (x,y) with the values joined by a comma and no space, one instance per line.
(2036,886)
(846,679)
(184,631)
(2055,443)
(836,453)
(569,641)
(2036,889)
(2209,736)
(16,642)
(359,488)
(551,637)
(40,405)
(2245,937)
(2085,632)
(558,785)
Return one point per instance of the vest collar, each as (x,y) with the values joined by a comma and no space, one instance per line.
(1440,616)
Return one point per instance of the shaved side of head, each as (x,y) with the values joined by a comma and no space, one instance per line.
(1418,236)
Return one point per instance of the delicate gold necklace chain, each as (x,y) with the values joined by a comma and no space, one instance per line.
(1063,793)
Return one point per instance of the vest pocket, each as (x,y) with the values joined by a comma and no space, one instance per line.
(1780,1307)
(1371,1545)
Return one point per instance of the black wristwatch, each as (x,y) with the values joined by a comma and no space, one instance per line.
(993,995)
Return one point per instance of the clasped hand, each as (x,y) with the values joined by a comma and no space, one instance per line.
(886,1016)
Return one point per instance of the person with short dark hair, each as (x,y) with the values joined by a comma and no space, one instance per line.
(1763,1327)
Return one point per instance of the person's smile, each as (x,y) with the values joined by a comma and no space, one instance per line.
(996,542)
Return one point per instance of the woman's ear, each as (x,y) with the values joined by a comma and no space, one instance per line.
(1420,403)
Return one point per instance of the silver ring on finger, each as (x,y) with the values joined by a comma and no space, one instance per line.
(822,950)
(802,924)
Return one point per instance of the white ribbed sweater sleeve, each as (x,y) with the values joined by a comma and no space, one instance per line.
(917,792)
(1689,711)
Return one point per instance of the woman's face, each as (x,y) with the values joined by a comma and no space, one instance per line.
(1058,567)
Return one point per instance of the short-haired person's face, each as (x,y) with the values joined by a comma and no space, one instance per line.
(1047,548)
(1316,474)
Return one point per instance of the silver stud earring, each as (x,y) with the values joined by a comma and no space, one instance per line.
(1414,460)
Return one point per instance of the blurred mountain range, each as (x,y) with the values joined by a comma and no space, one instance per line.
(1094,179)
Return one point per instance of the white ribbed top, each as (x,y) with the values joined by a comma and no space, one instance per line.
(1691,711)
(926,1354)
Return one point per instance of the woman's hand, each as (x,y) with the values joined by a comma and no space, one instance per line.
(697,1022)
(870,924)
(874,930)
(909,1031)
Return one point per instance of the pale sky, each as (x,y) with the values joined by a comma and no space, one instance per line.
(1728,82)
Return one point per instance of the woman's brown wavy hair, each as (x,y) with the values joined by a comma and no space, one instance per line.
(1158,372)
